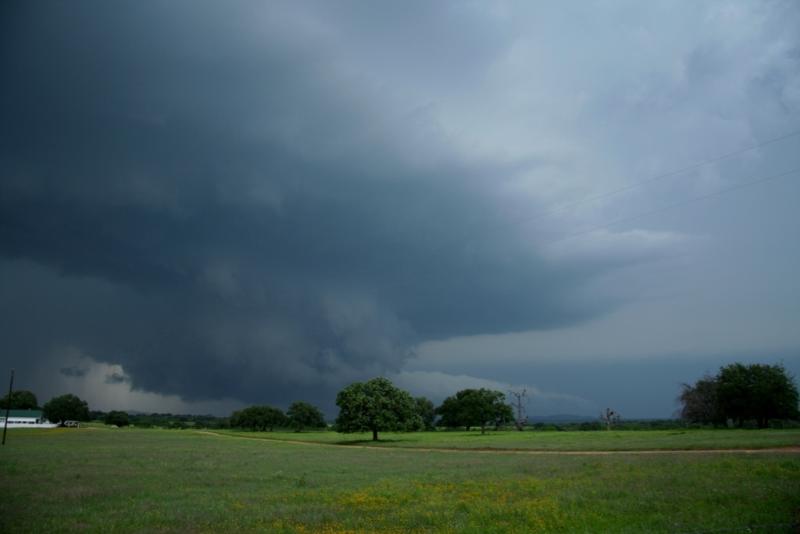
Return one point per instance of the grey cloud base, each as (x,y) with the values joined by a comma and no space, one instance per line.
(218,257)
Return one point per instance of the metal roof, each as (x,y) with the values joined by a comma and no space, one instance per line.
(36,414)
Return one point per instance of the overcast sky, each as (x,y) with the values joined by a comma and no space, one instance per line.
(205,205)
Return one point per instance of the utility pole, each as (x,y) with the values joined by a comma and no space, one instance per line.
(8,406)
(609,417)
(520,396)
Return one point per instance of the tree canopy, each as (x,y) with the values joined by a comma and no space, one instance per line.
(20,400)
(760,392)
(700,403)
(426,412)
(304,415)
(375,406)
(117,418)
(66,408)
(756,392)
(259,418)
(475,407)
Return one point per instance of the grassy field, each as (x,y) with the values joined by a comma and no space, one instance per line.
(556,441)
(129,480)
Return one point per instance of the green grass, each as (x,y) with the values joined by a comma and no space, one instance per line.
(130,480)
(561,441)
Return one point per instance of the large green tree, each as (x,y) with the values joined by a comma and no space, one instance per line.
(20,400)
(739,392)
(261,418)
(304,415)
(475,407)
(758,391)
(66,408)
(426,412)
(117,418)
(700,403)
(375,406)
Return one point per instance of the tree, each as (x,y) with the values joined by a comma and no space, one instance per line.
(304,415)
(20,400)
(734,392)
(758,391)
(375,406)
(475,407)
(450,412)
(66,408)
(700,403)
(739,392)
(261,418)
(426,412)
(775,394)
(117,418)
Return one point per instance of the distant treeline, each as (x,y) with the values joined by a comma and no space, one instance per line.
(168,420)
(183,421)
(645,424)
(746,396)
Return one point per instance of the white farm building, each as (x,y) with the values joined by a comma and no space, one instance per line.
(25,419)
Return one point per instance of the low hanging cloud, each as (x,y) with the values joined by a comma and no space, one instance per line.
(249,204)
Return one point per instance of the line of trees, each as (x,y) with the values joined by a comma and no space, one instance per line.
(168,420)
(377,405)
(117,418)
(737,394)
(741,393)
(300,416)
(475,408)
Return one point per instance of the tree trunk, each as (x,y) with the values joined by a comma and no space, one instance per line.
(374,435)
(483,430)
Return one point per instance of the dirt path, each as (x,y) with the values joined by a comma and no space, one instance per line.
(785,450)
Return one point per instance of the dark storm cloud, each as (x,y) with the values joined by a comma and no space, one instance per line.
(201,199)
